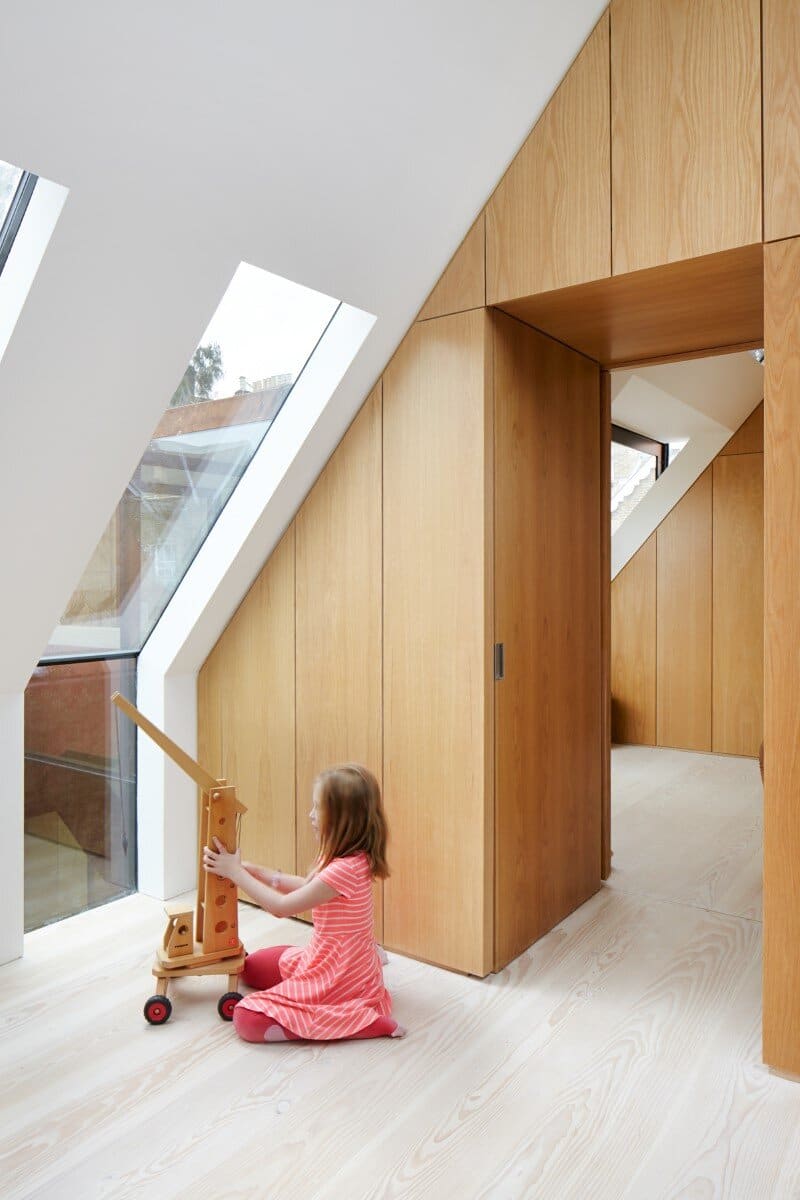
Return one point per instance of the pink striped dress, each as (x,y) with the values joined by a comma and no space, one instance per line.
(333,987)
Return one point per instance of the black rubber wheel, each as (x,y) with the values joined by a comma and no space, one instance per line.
(227,1004)
(157,1010)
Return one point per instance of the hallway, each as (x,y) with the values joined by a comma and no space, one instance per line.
(617,1059)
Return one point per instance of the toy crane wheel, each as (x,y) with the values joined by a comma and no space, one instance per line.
(227,1004)
(157,1010)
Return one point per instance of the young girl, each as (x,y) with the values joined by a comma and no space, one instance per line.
(334,987)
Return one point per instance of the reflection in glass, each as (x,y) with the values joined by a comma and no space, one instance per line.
(80,789)
(239,377)
(633,473)
(9,181)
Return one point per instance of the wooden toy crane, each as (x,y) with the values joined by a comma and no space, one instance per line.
(214,949)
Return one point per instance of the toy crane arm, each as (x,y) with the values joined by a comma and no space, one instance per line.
(218,818)
(193,769)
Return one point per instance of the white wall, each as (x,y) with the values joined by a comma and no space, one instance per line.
(704,400)
(292,454)
(347,147)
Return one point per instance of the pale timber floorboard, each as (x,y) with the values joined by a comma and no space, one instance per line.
(617,1059)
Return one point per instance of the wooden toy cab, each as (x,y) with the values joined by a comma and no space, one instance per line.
(206,941)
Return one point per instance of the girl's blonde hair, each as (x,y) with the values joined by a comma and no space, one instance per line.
(351,817)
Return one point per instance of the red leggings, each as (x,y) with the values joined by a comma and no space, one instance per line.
(261,971)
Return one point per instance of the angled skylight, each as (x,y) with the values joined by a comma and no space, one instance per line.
(29,210)
(9,180)
(242,372)
(16,189)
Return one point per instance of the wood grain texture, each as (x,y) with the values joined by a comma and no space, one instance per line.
(339,647)
(605,622)
(781,656)
(781,119)
(246,710)
(687,707)
(437,698)
(688,828)
(685,129)
(463,284)
(549,221)
(548,707)
(749,437)
(633,649)
(738,699)
(701,304)
(683,623)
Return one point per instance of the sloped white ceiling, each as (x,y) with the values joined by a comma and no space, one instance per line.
(346,146)
(671,401)
(704,400)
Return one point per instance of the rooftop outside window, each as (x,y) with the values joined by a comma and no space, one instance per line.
(636,463)
(239,377)
(80,763)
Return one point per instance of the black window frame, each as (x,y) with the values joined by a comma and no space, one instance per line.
(16,214)
(637,441)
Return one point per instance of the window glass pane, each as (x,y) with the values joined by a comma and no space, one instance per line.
(244,369)
(9,181)
(80,789)
(633,473)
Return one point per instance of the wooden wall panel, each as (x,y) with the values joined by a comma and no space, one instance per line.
(246,711)
(549,221)
(605,619)
(437,683)
(731,556)
(339,619)
(749,437)
(548,707)
(683,622)
(738,604)
(673,311)
(781,119)
(463,284)
(782,656)
(685,129)
(633,649)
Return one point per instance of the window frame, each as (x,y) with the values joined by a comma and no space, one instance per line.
(16,214)
(645,445)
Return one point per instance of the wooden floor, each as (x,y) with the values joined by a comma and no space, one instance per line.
(619,1058)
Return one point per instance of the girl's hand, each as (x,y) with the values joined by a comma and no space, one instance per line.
(220,862)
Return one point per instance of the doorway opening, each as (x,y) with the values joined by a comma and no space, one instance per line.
(686,634)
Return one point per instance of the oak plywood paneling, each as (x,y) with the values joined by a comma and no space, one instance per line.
(674,310)
(548,706)
(339,619)
(605,618)
(685,129)
(463,284)
(437,698)
(246,710)
(684,621)
(633,649)
(749,437)
(738,604)
(781,119)
(782,656)
(549,221)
